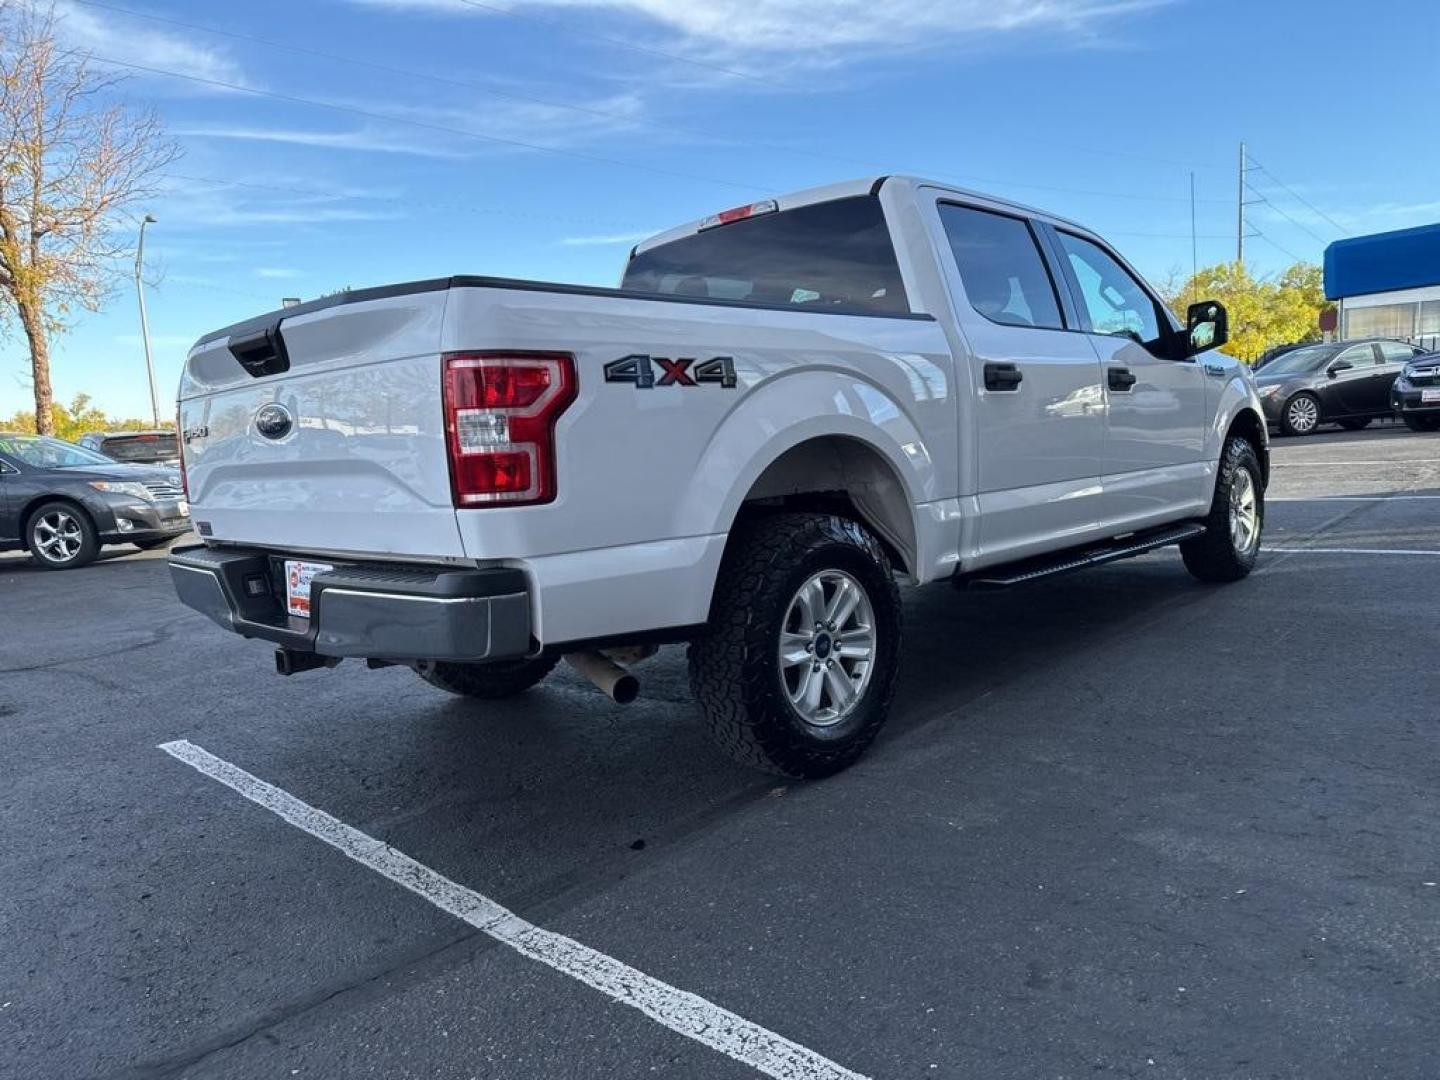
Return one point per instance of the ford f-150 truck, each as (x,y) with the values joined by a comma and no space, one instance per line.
(783,410)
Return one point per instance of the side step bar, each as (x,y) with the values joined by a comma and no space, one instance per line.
(1124,547)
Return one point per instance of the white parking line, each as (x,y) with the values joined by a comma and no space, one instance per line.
(1322,464)
(1343,498)
(1346,551)
(678,1010)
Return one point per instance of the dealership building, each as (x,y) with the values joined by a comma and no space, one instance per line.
(1387,285)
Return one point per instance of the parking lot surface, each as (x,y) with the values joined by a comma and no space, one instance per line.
(1120,823)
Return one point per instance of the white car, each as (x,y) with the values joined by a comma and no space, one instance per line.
(784,409)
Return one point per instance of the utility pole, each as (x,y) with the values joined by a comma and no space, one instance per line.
(144,322)
(1194,250)
(1240,213)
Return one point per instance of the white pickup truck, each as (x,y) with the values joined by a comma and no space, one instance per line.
(783,409)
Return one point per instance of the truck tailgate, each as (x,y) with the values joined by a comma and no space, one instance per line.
(349,455)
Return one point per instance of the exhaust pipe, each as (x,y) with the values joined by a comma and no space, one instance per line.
(617,684)
(293,661)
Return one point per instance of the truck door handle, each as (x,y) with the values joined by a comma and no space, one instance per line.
(1121,379)
(1002,377)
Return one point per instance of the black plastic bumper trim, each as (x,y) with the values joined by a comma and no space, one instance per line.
(363,610)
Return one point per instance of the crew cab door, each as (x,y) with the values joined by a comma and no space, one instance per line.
(1154,458)
(1039,409)
(1394,355)
(1348,391)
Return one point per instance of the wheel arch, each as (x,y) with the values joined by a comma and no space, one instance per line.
(28,510)
(840,474)
(816,432)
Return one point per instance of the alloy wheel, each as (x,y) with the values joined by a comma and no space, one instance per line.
(58,536)
(1303,414)
(827,647)
(1244,513)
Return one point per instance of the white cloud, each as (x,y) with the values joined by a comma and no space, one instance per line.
(189,207)
(605,241)
(368,139)
(135,41)
(278,272)
(811,26)
(469,123)
(1392,215)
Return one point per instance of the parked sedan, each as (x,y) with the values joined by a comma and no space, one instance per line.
(1344,382)
(64,502)
(1415,397)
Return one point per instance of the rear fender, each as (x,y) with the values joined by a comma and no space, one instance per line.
(792,410)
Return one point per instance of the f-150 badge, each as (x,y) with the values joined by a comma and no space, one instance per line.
(647,372)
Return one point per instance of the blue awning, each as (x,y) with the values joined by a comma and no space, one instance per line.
(1383,262)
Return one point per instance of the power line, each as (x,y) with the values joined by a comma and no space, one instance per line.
(621,43)
(722,137)
(1300,198)
(351,110)
(1261,236)
(1260,197)
(295,99)
(606,114)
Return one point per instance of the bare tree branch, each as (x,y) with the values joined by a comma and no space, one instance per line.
(70,167)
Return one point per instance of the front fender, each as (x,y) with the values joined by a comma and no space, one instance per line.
(1236,395)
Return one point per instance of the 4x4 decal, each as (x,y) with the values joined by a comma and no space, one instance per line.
(641,370)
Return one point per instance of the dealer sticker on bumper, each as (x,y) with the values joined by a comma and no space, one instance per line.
(298,576)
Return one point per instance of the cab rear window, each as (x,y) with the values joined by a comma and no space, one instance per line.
(827,256)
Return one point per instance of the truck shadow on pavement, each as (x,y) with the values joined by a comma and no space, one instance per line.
(569,792)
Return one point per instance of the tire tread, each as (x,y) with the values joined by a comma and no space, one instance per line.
(731,676)
(1210,556)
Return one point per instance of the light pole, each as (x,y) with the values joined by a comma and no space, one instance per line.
(144,322)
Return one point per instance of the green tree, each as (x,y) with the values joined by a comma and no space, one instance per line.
(80,417)
(1263,311)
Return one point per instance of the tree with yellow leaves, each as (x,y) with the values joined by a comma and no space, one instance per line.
(71,165)
(1263,312)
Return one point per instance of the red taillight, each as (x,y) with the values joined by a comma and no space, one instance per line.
(500,413)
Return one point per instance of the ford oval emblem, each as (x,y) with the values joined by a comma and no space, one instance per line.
(273,420)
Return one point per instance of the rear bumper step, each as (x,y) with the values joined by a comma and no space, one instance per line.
(376,612)
(1018,573)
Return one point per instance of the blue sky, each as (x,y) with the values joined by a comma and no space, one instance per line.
(652,112)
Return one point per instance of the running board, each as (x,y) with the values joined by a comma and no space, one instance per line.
(1124,547)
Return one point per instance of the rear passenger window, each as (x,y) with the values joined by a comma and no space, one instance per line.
(1395,352)
(1001,267)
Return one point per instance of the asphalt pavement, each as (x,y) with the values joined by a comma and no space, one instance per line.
(1120,823)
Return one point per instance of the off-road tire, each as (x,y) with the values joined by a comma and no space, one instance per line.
(735,673)
(1212,556)
(1420,423)
(87,539)
(490,681)
(1358,423)
(1287,427)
